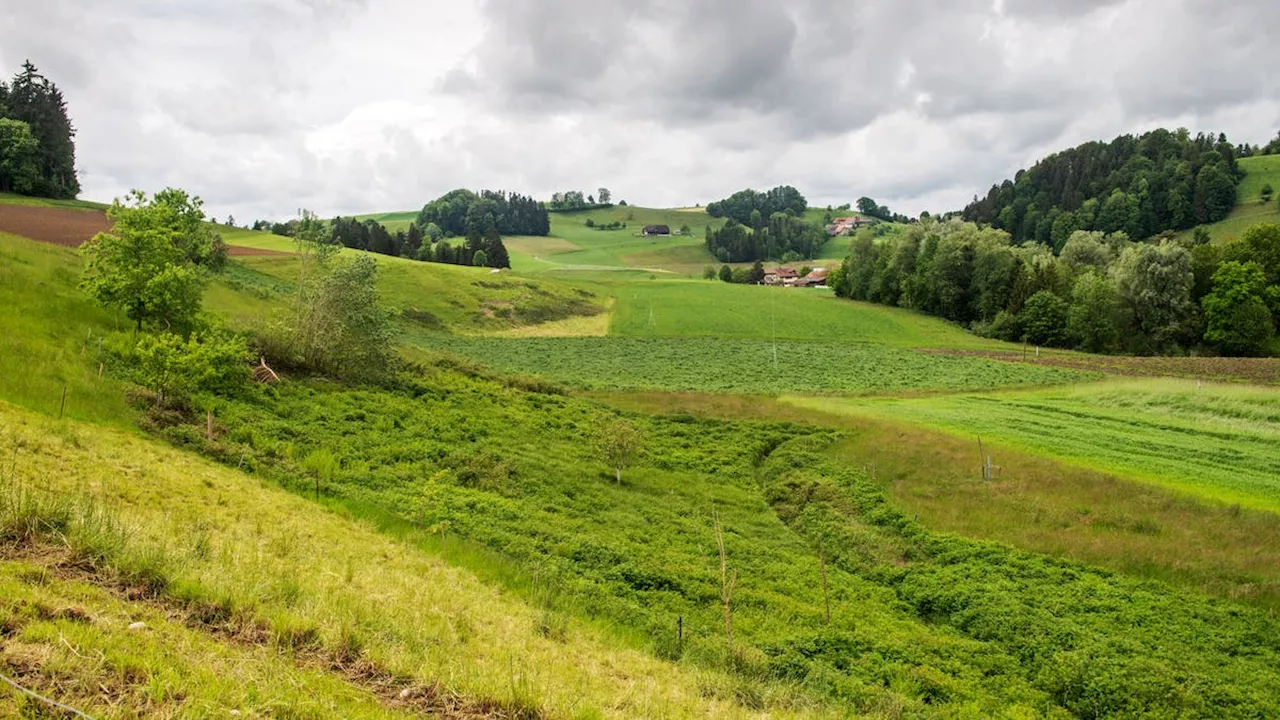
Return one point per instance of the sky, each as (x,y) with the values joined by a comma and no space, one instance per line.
(263,107)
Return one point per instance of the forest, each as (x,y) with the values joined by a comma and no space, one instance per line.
(37,140)
(782,237)
(464,213)
(1102,293)
(1142,186)
(740,205)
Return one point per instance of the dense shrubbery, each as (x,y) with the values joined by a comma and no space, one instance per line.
(1141,186)
(1102,293)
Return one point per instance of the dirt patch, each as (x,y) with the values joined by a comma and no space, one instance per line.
(242,251)
(1258,371)
(59,226)
(73,228)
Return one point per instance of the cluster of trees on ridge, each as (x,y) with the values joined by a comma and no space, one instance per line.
(463,213)
(1102,293)
(763,226)
(37,146)
(1142,186)
(571,200)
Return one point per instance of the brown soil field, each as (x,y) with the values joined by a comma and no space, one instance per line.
(73,228)
(60,226)
(1261,371)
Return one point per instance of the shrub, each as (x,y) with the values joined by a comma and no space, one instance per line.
(1267,192)
(1044,319)
(174,368)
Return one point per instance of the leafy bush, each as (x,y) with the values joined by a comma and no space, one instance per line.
(175,368)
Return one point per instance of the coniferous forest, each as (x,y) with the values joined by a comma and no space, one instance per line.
(37,140)
(1142,186)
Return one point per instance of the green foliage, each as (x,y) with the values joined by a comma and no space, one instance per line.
(19,160)
(1044,319)
(709,272)
(1266,192)
(619,443)
(480,259)
(339,327)
(726,274)
(175,368)
(1093,320)
(740,205)
(751,366)
(146,264)
(32,100)
(464,213)
(1155,284)
(1238,311)
(1144,185)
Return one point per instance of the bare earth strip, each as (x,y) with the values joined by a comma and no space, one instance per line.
(73,228)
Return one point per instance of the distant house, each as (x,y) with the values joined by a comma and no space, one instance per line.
(650,230)
(780,276)
(846,225)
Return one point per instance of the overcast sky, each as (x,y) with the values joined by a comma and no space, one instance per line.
(346,106)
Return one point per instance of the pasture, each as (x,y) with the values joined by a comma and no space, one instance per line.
(739,365)
(1249,210)
(709,308)
(1217,442)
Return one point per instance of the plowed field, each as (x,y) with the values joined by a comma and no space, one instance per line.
(72,228)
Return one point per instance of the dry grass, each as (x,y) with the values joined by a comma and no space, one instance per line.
(306,572)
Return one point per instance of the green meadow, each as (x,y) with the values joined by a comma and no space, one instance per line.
(740,366)
(1218,442)
(1250,210)
(709,308)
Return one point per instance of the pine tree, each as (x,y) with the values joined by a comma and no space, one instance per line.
(39,103)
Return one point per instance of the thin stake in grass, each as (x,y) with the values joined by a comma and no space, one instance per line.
(822,563)
(728,582)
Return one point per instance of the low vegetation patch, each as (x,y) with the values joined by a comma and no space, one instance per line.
(752,366)
(1213,441)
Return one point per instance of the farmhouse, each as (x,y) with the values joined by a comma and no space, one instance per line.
(780,276)
(650,230)
(845,225)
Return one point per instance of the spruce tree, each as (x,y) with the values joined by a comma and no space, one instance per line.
(39,103)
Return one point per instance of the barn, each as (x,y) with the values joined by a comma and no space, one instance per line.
(657,230)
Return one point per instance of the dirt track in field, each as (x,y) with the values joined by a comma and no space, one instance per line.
(73,228)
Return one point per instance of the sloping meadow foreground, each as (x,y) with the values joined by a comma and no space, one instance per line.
(920,623)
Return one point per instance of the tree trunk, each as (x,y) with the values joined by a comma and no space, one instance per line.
(617,472)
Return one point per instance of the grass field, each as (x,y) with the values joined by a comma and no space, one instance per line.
(708,308)
(922,625)
(1249,210)
(11,199)
(275,592)
(750,366)
(1217,442)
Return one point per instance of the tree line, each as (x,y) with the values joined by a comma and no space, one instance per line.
(463,213)
(1159,181)
(37,145)
(740,205)
(784,237)
(485,250)
(1102,293)
(570,200)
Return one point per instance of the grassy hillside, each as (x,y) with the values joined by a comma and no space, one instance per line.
(1213,441)
(262,602)
(930,624)
(714,309)
(11,199)
(1249,210)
